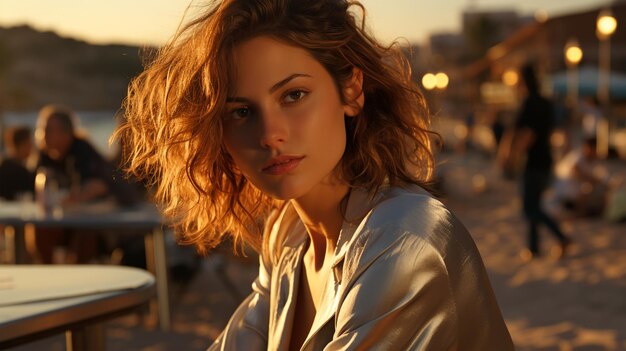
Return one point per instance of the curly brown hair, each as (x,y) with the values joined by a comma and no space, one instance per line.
(173,127)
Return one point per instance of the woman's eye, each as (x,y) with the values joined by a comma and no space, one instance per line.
(240,113)
(294,95)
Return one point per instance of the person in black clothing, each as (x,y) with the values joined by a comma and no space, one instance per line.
(75,163)
(531,140)
(77,167)
(15,177)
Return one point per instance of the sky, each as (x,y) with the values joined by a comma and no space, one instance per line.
(152,22)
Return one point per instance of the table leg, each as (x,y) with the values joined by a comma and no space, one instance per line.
(157,264)
(87,338)
(8,236)
(15,245)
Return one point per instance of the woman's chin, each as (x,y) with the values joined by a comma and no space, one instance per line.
(285,190)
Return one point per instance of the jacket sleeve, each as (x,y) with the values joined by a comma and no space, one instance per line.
(398,299)
(248,326)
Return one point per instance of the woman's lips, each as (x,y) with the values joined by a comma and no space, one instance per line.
(282,165)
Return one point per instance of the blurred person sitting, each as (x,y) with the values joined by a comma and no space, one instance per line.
(595,125)
(76,166)
(592,117)
(75,163)
(577,187)
(15,177)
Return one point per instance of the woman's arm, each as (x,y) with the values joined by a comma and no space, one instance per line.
(248,326)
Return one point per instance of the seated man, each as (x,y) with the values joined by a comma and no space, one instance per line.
(77,167)
(74,162)
(15,177)
(578,187)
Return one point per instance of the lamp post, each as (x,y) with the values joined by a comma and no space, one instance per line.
(573,54)
(605,27)
(436,83)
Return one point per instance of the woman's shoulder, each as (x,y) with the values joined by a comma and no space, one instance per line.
(409,217)
(407,208)
(402,211)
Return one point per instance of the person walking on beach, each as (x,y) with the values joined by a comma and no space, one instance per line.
(289,113)
(531,141)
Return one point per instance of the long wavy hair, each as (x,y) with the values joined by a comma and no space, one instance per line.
(173,126)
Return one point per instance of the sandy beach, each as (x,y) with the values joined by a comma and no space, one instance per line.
(577,303)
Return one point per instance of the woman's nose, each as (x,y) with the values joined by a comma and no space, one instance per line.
(274,129)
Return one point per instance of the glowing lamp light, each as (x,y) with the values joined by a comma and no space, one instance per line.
(510,78)
(441,80)
(40,181)
(573,54)
(606,24)
(429,81)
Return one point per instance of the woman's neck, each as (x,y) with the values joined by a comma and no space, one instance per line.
(321,213)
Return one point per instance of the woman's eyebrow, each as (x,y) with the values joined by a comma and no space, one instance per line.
(237,99)
(287,80)
(271,90)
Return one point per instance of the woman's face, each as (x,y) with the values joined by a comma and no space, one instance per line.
(284,122)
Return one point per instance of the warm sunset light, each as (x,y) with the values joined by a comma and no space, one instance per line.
(154,21)
(287,174)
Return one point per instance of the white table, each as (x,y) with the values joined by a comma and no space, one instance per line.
(37,301)
(98,216)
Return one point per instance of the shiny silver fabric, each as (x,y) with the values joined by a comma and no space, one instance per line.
(406,276)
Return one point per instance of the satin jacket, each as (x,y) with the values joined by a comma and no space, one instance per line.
(406,276)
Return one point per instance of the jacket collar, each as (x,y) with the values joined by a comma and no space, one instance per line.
(290,266)
(360,205)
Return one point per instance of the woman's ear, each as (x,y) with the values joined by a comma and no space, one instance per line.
(353,93)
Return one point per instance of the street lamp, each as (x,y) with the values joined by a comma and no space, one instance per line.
(510,78)
(573,55)
(429,81)
(605,27)
(432,81)
(442,80)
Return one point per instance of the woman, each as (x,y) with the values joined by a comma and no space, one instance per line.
(288,111)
